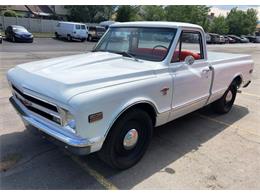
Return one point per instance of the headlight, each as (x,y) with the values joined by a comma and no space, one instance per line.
(67,120)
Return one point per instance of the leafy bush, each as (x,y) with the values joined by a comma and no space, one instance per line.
(10,13)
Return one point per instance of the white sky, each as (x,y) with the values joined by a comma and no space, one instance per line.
(224,9)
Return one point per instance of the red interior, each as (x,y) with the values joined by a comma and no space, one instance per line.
(162,52)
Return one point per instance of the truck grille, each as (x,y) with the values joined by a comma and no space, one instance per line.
(38,106)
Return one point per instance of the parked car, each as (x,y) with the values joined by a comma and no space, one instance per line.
(244,39)
(71,31)
(253,39)
(238,39)
(222,39)
(208,38)
(95,32)
(1,38)
(17,33)
(215,38)
(229,39)
(106,24)
(109,100)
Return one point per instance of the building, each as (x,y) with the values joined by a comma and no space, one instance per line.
(38,11)
(20,10)
(60,11)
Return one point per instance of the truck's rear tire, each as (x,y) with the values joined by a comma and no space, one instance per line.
(225,103)
(127,140)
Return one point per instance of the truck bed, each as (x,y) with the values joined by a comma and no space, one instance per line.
(215,58)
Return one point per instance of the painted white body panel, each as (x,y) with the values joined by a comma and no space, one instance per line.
(69,28)
(110,83)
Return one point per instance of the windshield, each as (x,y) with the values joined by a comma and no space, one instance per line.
(19,29)
(143,43)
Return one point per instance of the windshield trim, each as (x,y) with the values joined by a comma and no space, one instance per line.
(137,57)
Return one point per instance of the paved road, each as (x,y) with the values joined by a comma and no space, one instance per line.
(199,151)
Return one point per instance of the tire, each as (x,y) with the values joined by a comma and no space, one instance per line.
(13,39)
(117,150)
(69,38)
(225,103)
(90,38)
(57,35)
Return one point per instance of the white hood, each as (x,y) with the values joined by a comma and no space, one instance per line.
(63,77)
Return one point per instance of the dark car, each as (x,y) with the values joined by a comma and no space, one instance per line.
(16,33)
(229,39)
(252,39)
(95,32)
(239,39)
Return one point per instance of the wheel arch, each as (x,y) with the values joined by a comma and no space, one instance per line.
(146,105)
(238,78)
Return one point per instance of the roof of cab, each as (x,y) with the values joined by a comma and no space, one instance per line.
(155,24)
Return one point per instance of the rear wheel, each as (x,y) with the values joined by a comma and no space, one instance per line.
(90,38)
(69,38)
(225,103)
(127,140)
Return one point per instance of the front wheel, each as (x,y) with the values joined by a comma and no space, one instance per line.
(128,140)
(57,35)
(13,39)
(225,103)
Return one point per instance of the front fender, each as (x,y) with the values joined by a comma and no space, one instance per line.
(113,101)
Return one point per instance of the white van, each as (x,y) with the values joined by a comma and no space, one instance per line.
(71,30)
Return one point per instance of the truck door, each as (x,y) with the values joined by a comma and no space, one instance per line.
(191,74)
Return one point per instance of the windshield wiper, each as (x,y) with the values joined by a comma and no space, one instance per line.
(127,54)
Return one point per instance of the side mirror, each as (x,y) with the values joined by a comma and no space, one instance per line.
(189,60)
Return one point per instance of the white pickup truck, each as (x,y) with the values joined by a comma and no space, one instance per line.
(139,76)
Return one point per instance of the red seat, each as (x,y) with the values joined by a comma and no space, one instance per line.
(162,52)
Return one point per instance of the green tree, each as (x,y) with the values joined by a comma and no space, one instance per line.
(219,25)
(127,13)
(242,22)
(90,13)
(196,14)
(10,13)
(153,13)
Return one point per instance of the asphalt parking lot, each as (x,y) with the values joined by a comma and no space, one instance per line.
(199,151)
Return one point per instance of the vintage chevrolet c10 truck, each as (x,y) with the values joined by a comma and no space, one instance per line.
(140,75)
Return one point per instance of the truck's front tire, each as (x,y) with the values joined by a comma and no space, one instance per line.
(225,103)
(127,140)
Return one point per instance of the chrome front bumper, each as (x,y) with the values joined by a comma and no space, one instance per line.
(67,140)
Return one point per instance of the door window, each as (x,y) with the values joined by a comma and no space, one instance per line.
(189,44)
